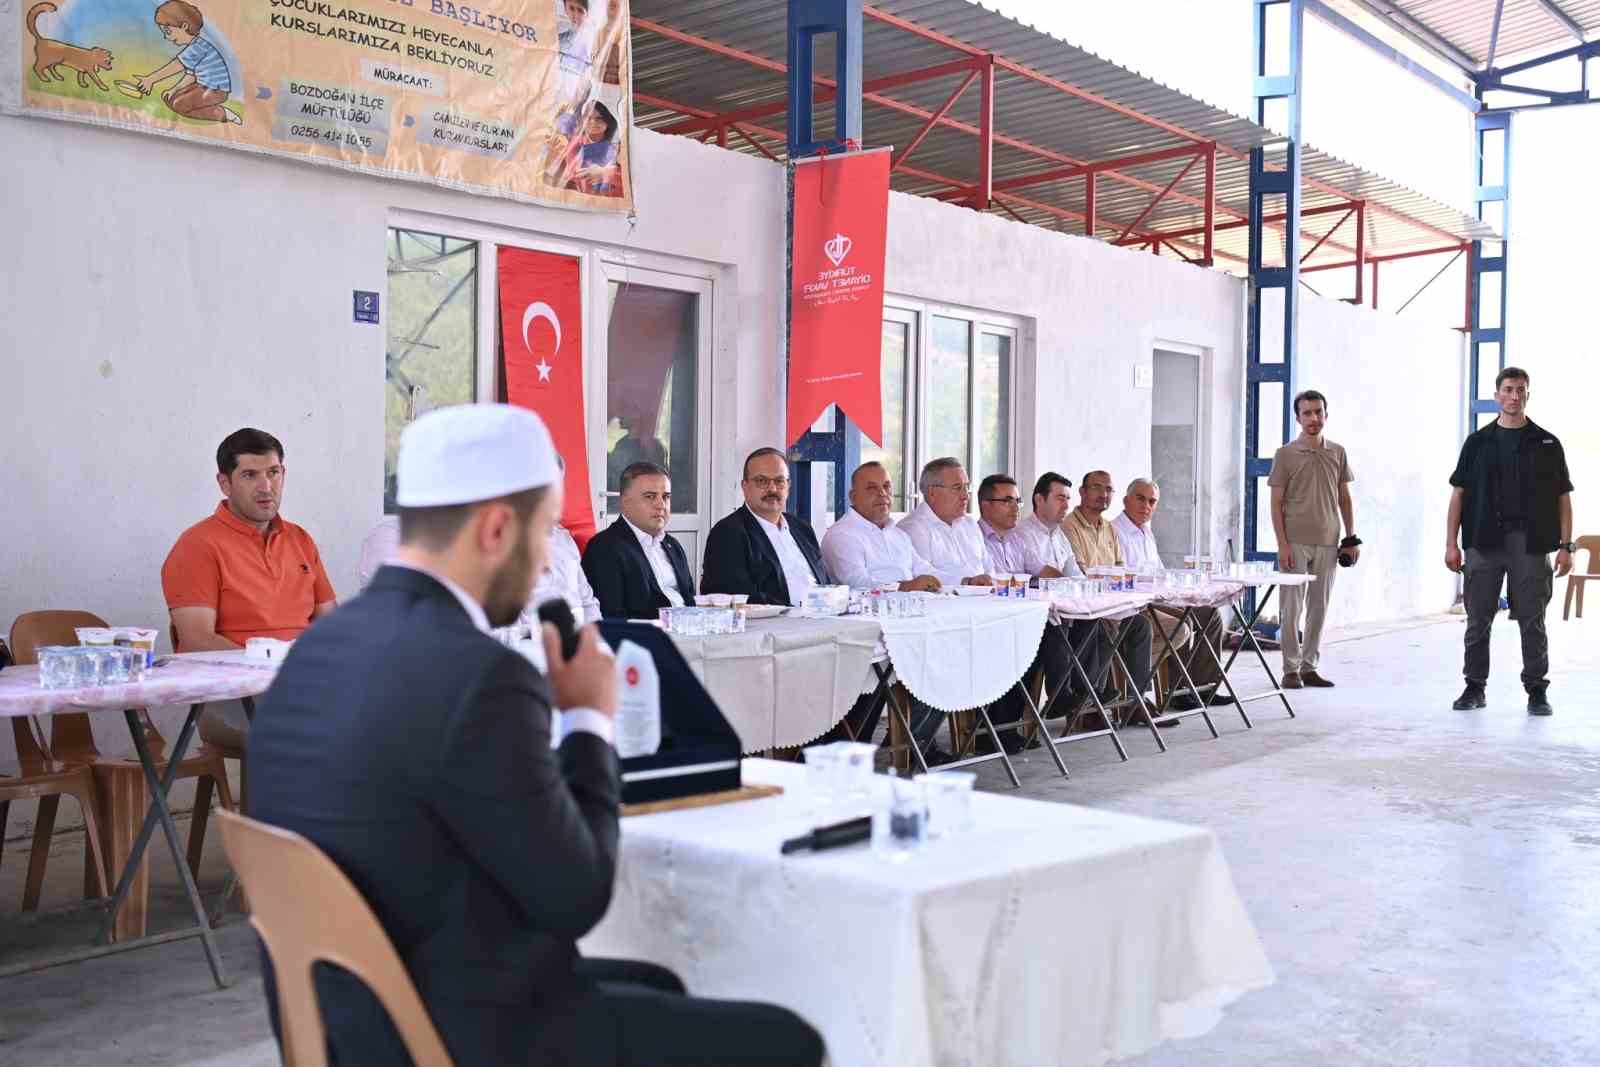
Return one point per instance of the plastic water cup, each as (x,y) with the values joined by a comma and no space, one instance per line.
(900,823)
(949,802)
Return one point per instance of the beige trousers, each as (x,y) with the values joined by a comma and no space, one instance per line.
(1323,561)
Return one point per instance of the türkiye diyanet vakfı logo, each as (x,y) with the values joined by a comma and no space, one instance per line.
(841,279)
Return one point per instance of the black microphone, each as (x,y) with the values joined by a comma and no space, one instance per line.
(558,614)
(838,835)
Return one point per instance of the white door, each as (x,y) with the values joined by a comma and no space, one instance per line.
(651,387)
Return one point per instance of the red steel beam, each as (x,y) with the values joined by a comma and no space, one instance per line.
(1361,249)
(1072,90)
(753,143)
(1040,151)
(1090,222)
(1325,209)
(1209,246)
(1151,206)
(1346,264)
(826,90)
(933,120)
(1063,173)
(1331,230)
(985,191)
(1374,286)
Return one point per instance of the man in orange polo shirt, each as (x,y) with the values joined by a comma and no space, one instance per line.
(244,572)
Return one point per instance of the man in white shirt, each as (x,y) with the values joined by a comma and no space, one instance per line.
(864,549)
(1140,551)
(635,567)
(759,551)
(940,528)
(1052,499)
(563,578)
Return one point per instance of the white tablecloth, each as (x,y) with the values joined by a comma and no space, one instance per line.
(785,682)
(187,679)
(967,651)
(1050,934)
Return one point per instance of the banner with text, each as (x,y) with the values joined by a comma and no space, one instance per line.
(525,99)
(541,348)
(841,224)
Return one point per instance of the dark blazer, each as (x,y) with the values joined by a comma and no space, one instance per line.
(622,579)
(739,558)
(415,751)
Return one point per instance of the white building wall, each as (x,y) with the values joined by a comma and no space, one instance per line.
(160,294)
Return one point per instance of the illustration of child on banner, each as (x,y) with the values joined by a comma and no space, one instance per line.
(582,153)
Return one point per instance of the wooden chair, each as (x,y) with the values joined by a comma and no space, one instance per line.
(119,783)
(1576,581)
(282,871)
(47,781)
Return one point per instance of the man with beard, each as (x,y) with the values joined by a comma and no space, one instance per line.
(415,750)
(244,571)
(1310,483)
(759,551)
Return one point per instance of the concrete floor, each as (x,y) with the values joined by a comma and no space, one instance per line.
(1424,880)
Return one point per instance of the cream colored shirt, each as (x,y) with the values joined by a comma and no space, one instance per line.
(1310,477)
(1095,546)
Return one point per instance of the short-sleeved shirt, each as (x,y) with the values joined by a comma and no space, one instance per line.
(1310,477)
(1095,546)
(259,587)
(1543,480)
(202,59)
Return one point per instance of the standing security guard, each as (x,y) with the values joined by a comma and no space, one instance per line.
(1512,504)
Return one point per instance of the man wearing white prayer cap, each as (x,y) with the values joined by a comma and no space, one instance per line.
(414,749)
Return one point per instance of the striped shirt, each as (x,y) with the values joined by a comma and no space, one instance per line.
(205,62)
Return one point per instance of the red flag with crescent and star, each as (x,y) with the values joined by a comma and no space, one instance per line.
(541,348)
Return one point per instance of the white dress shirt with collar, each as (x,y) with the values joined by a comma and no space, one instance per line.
(563,577)
(1010,552)
(796,569)
(1139,549)
(666,578)
(861,554)
(1049,545)
(954,548)
(568,720)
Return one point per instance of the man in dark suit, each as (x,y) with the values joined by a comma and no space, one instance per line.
(758,550)
(415,750)
(635,567)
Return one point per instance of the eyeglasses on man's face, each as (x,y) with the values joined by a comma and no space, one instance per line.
(762,481)
(963,489)
(1006,501)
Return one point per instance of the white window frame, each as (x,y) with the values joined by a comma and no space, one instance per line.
(599,264)
(978,321)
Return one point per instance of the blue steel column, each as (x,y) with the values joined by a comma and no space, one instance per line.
(1481,332)
(808,20)
(1268,86)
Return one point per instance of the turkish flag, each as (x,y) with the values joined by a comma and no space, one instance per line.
(841,225)
(541,351)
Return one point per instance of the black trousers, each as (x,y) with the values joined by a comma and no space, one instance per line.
(638,1013)
(1529,592)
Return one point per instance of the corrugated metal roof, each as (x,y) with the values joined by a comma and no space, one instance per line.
(1039,127)
(1525,25)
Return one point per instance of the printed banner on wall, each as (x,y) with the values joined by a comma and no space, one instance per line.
(841,224)
(526,99)
(541,346)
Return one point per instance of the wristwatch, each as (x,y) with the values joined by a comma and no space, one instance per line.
(1568,547)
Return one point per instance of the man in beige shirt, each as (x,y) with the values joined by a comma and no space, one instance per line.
(1310,483)
(1094,542)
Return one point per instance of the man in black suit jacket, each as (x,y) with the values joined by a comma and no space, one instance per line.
(758,550)
(415,750)
(635,567)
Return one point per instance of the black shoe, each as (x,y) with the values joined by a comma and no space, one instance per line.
(1471,699)
(1538,704)
(1218,699)
(935,756)
(1185,702)
(1010,740)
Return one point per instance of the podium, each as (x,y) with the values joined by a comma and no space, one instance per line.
(700,752)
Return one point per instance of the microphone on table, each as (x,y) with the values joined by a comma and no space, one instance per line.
(558,614)
(836,836)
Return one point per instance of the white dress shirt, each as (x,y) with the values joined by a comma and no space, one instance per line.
(570,720)
(1011,552)
(666,578)
(1139,549)
(796,568)
(563,577)
(861,554)
(954,548)
(378,547)
(1049,545)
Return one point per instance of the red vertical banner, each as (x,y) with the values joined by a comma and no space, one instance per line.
(541,350)
(841,227)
